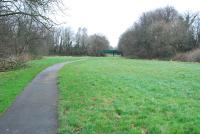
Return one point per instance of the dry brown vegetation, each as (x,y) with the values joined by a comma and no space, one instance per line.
(192,56)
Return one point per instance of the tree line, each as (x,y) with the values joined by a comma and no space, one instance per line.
(25,28)
(161,33)
(66,42)
(27,31)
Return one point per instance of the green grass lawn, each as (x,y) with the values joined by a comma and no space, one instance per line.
(13,82)
(124,96)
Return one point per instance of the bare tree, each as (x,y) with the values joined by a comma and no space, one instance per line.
(25,27)
(96,43)
(36,9)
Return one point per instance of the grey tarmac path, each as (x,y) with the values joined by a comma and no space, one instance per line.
(35,110)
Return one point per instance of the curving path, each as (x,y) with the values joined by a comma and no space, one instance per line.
(35,110)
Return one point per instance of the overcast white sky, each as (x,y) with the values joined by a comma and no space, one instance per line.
(112,17)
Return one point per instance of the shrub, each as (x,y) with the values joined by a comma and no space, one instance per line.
(192,56)
(14,62)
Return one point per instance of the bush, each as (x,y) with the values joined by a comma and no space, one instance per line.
(13,62)
(180,57)
(192,56)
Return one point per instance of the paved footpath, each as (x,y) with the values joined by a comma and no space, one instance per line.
(35,110)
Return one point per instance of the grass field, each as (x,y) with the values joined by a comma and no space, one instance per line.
(13,82)
(124,96)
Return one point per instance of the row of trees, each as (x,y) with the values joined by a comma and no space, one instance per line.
(66,42)
(26,31)
(25,28)
(161,33)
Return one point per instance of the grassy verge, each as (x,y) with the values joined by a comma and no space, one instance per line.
(123,96)
(13,82)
